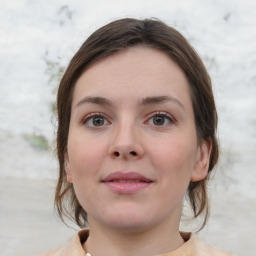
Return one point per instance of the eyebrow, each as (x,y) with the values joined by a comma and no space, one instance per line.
(95,100)
(145,101)
(160,99)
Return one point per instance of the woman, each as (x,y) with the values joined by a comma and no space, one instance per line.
(137,131)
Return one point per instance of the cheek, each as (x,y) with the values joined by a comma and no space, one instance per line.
(175,157)
(84,157)
(85,163)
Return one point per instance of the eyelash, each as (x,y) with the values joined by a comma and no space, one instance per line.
(90,117)
(165,115)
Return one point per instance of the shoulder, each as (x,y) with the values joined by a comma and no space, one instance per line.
(194,246)
(73,247)
(204,249)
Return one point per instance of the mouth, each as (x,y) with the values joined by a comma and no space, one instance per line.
(126,182)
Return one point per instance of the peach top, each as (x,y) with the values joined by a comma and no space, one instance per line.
(193,246)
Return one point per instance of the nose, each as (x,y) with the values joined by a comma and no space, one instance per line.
(126,143)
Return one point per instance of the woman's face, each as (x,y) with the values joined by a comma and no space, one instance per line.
(132,145)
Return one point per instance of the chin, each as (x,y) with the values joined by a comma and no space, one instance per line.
(129,227)
(128,221)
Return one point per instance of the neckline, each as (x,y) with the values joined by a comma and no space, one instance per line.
(187,237)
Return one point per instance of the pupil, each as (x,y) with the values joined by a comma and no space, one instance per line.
(158,120)
(97,121)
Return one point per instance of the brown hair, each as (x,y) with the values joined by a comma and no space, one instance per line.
(117,36)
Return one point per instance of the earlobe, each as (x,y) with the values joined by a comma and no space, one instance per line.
(202,161)
(67,169)
(69,178)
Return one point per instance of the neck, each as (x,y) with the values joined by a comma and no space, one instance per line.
(145,242)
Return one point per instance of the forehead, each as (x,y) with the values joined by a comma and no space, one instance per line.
(135,72)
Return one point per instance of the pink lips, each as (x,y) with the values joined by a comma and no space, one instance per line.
(126,182)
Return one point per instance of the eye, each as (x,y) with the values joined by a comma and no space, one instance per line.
(160,119)
(95,120)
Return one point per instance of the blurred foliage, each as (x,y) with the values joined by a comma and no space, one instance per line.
(227,16)
(211,63)
(37,141)
(55,71)
(65,14)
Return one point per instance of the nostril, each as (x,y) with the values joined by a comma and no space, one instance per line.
(116,153)
(133,153)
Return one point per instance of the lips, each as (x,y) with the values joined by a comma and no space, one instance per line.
(126,182)
(128,177)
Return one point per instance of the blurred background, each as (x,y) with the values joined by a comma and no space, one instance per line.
(37,40)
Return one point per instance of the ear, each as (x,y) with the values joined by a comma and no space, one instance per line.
(202,161)
(67,168)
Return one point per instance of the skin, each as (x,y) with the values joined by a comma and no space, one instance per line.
(154,137)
